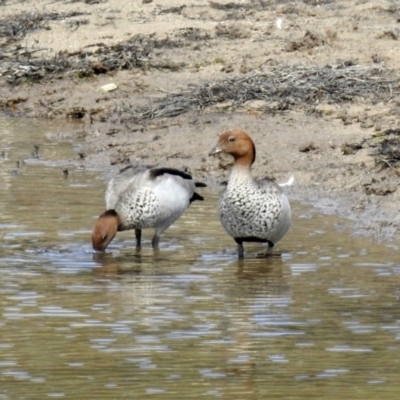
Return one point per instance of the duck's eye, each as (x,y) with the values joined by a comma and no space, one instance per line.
(231,138)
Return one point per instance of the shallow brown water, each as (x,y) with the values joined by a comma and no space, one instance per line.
(318,320)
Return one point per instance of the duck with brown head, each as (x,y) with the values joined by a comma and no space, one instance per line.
(250,210)
(144,198)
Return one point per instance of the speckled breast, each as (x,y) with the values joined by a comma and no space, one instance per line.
(246,212)
(141,209)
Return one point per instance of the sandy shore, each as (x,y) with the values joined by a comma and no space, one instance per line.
(315,83)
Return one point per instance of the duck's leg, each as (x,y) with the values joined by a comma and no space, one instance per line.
(138,234)
(240,247)
(269,250)
(155,241)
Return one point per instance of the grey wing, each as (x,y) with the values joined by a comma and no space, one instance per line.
(178,177)
(269,184)
(176,181)
(127,179)
(113,194)
(283,222)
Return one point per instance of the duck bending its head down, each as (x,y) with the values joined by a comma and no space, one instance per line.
(105,229)
(145,198)
(250,210)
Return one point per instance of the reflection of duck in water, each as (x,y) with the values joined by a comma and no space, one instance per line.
(269,269)
(144,198)
(250,210)
(114,267)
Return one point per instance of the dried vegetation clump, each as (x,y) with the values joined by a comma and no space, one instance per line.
(20,64)
(307,42)
(283,87)
(23,66)
(384,147)
(387,149)
(20,25)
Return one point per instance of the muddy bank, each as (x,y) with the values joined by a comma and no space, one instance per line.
(315,83)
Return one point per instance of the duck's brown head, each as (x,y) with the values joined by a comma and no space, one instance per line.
(105,230)
(238,144)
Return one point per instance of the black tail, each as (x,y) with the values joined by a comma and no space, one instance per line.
(196,196)
(200,184)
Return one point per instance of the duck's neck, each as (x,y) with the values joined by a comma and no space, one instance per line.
(114,219)
(240,174)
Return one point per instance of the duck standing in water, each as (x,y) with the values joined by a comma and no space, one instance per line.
(144,198)
(250,210)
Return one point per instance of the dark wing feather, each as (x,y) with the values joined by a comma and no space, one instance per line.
(135,168)
(155,172)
